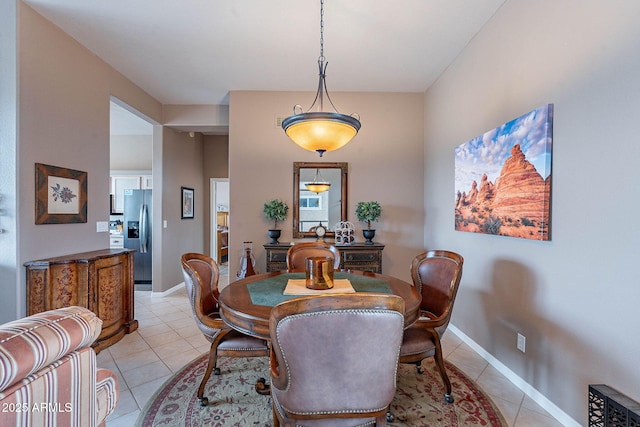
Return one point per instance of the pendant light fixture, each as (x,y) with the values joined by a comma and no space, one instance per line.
(318,130)
(319,184)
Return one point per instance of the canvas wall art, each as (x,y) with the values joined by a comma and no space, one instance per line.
(503,178)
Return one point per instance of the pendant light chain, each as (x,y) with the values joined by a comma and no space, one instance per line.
(322,85)
(321,31)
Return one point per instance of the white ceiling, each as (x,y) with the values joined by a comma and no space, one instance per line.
(196,51)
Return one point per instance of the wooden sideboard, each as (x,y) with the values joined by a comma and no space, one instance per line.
(101,281)
(352,257)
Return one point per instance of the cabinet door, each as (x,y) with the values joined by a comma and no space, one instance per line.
(146,182)
(118,185)
(109,292)
(116,242)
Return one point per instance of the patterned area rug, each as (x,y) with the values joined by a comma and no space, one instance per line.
(233,401)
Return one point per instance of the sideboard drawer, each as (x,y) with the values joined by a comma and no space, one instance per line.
(278,256)
(358,256)
(361,256)
(362,259)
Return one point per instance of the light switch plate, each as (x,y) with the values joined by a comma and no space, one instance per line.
(522,343)
(102,226)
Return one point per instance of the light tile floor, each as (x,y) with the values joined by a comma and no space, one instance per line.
(168,338)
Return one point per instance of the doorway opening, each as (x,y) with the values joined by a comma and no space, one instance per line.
(220,226)
(131,183)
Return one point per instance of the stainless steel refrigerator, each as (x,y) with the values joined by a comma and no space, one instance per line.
(137,232)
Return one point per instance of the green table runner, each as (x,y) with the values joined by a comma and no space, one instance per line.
(270,291)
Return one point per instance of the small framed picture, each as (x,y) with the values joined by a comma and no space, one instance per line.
(187,203)
(61,195)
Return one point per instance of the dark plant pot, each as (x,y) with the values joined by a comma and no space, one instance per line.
(368,235)
(275,235)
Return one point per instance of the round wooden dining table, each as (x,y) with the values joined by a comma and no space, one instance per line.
(245,305)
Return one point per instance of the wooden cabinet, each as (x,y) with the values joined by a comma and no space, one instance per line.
(146,182)
(353,257)
(118,186)
(116,241)
(101,281)
(120,183)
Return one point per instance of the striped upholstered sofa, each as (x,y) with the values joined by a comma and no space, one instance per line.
(48,371)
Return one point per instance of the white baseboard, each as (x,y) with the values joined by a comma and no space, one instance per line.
(168,291)
(527,388)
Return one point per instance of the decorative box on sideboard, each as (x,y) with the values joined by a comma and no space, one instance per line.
(352,257)
(101,281)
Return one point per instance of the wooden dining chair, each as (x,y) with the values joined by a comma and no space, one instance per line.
(297,254)
(201,275)
(437,275)
(334,359)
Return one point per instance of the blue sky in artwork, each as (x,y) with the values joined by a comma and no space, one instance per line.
(487,153)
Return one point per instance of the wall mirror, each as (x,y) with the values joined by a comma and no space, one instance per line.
(327,207)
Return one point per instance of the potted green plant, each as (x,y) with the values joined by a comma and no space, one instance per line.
(275,210)
(367,212)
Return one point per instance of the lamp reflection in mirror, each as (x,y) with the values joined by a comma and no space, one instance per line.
(321,131)
(319,184)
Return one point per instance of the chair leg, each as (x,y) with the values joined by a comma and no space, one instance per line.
(211,365)
(276,420)
(389,417)
(443,373)
(381,420)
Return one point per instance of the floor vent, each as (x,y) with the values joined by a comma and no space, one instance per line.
(610,408)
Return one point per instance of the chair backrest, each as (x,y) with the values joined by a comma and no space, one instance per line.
(201,275)
(336,354)
(437,274)
(298,253)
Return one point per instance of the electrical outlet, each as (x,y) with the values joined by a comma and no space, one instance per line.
(522,342)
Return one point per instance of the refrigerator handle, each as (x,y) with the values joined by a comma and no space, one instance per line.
(143,229)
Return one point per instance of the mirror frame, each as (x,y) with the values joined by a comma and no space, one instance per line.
(344,206)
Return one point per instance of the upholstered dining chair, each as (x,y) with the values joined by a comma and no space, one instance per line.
(334,359)
(297,254)
(437,275)
(201,275)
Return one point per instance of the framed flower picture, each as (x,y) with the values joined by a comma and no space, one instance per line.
(61,195)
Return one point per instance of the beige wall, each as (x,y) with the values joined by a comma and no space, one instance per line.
(574,297)
(385,164)
(216,165)
(65,91)
(62,123)
(182,166)
(63,109)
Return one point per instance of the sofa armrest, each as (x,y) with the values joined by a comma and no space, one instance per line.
(29,344)
(107,393)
